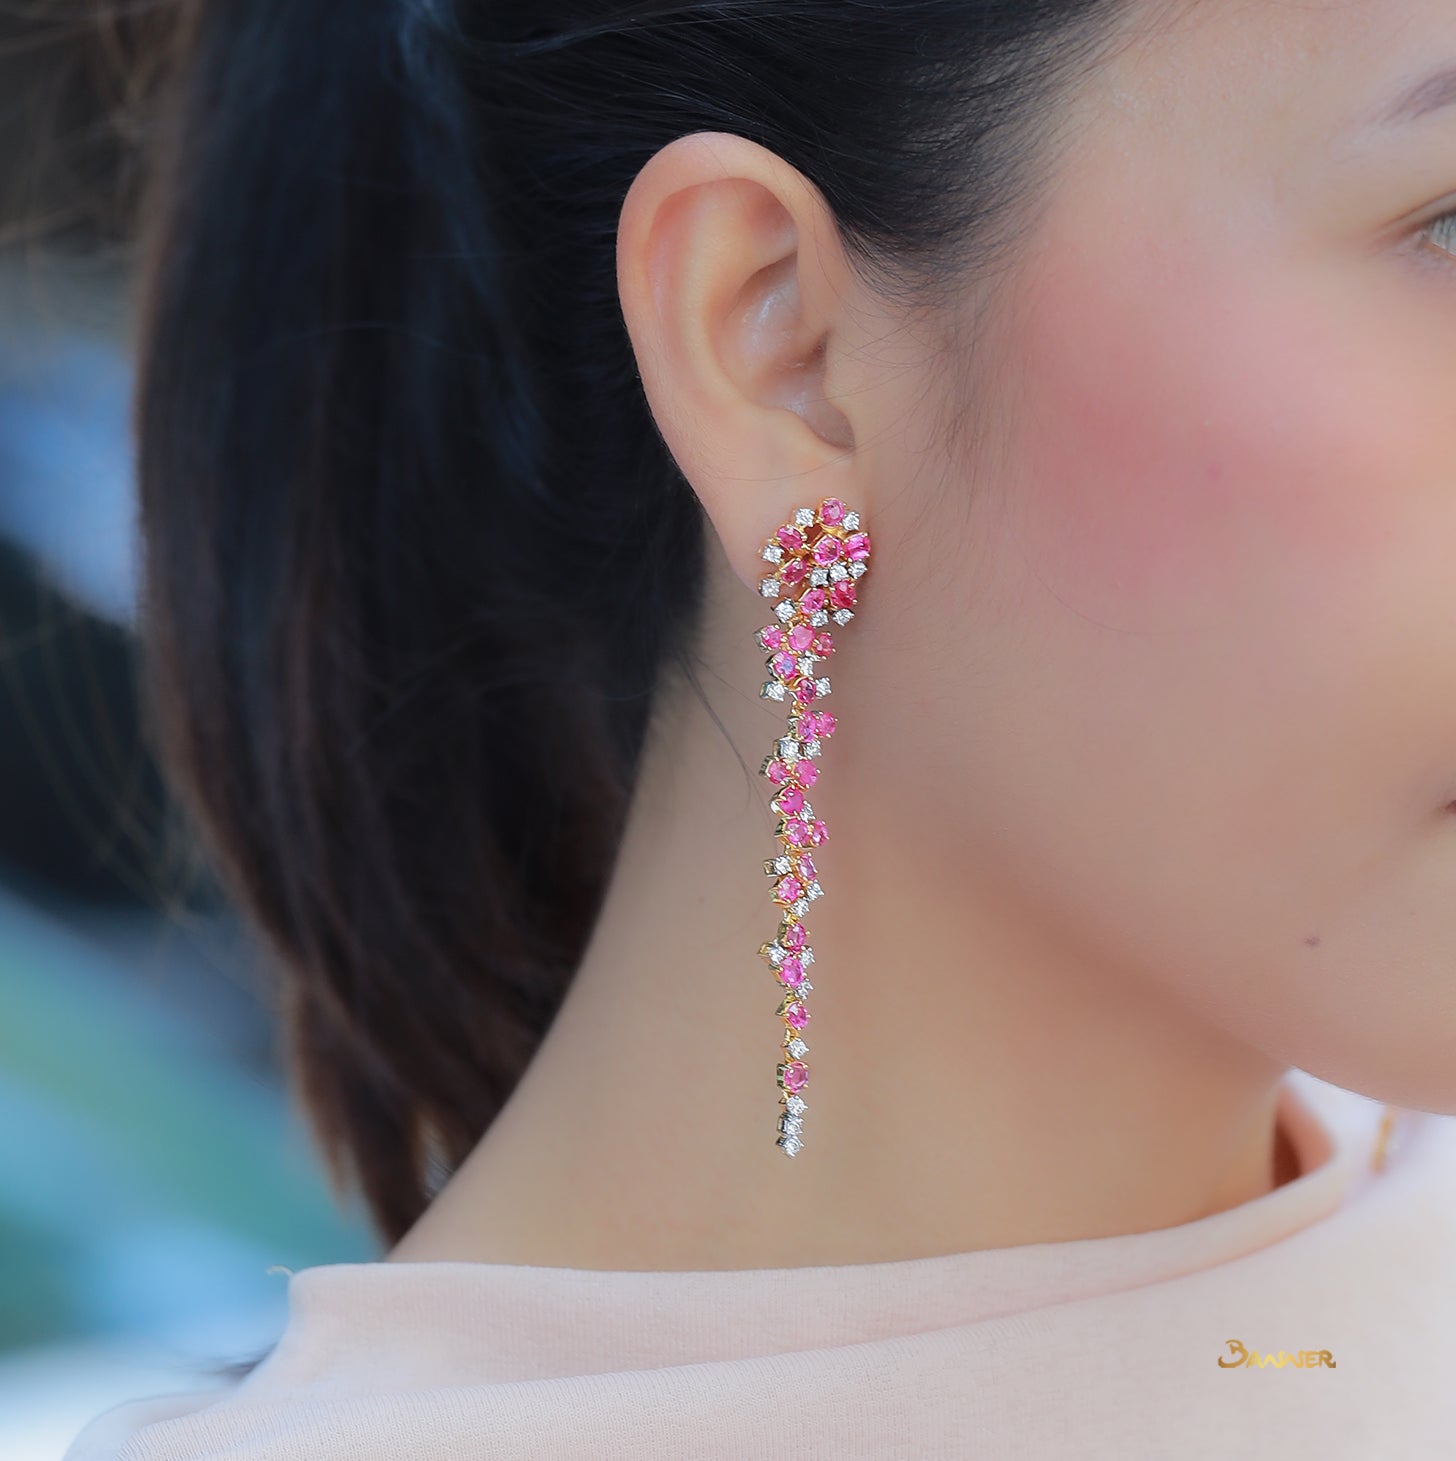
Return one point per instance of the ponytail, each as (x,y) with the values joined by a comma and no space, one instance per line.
(388,723)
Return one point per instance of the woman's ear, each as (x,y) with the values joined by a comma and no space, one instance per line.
(733,283)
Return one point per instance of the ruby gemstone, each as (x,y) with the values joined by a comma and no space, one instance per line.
(796,1073)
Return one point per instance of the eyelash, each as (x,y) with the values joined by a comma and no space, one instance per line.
(1446,221)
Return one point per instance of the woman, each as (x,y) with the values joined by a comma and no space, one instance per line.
(486,351)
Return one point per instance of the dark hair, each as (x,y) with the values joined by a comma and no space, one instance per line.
(415,553)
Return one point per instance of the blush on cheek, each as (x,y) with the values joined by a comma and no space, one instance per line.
(1190,432)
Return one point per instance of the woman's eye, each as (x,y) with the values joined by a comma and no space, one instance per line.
(1442,232)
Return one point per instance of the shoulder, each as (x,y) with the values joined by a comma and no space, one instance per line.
(107,1436)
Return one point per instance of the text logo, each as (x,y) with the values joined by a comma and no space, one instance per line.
(1301,1359)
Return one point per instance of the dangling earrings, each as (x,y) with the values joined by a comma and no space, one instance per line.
(817,556)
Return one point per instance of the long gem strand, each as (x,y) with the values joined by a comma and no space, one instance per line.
(818,556)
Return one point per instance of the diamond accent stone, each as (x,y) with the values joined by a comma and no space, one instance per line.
(838,571)
(785,609)
(806,664)
(776,954)
(800,907)
(843,616)
(819,618)
(788,749)
(822,684)
(791,1144)
(811,748)
(806,955)
(856,568)
(773,553)
(772,690)
(770,588)
(791,1125)
(818,577)
(782,864)
(796,1048)
(797,1105)
(851,521)
(814,891)
(803,517)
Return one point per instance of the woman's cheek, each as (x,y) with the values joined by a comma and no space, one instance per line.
(1211,443)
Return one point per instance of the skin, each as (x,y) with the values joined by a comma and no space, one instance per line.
(1147,721)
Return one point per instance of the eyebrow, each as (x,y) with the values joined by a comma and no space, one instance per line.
(1428,95)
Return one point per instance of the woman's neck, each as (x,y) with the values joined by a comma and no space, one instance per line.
(973,1084)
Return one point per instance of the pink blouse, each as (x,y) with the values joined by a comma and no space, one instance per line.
(1316,1321)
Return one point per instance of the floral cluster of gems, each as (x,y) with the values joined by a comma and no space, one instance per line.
(817,557)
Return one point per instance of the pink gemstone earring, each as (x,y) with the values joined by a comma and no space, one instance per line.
(818,558)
